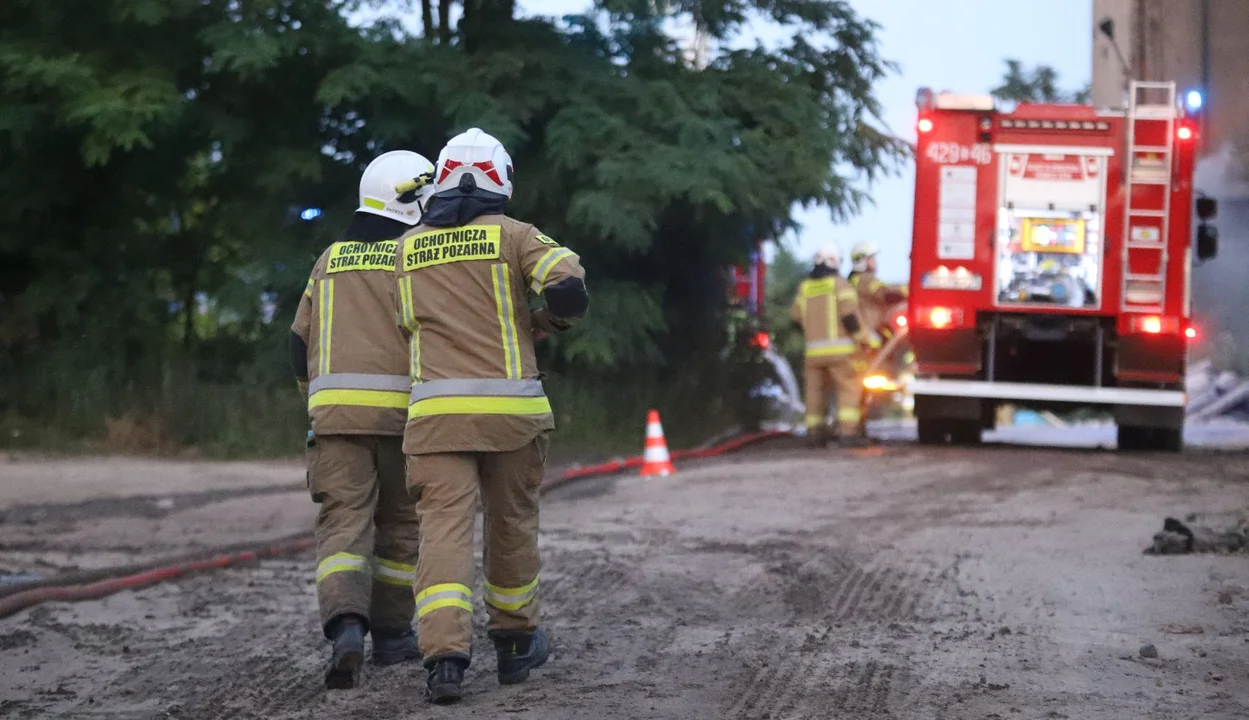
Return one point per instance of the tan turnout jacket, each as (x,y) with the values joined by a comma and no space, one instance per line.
(819,308)
(462,301)
(357,354)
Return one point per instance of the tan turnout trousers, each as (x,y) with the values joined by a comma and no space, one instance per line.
(841,376)
(448,486)
(367,530)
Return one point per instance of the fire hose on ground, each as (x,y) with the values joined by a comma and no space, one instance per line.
(94,584)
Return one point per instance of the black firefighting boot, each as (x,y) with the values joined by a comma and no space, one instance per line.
(446,675)
(393,648)
(520,652)
(817,437)
(343,673)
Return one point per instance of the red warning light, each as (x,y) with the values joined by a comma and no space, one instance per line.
(1184,132)
(924,125)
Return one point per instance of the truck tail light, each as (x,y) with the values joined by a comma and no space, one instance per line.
(1155,325)
(938,318)
(1184,132)
(1190,332)
(924,125)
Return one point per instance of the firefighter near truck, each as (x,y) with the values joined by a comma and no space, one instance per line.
(1051,262)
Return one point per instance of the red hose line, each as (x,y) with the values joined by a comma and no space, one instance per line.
(22,599)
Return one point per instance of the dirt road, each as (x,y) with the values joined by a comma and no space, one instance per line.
(895,582)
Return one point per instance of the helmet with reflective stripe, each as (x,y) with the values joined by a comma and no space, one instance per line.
(861,253)
(397,185)
(478,155)
(829,256)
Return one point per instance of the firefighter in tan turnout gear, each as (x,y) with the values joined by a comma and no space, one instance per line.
(875,297)
(352,362)
(478,417)
(827,308)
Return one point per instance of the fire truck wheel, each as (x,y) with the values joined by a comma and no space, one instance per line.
(1136,437)
(938,431)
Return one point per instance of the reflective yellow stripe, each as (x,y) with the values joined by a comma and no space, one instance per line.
(507,326)
(830,350)
(414,355)
(359,398)
(848,414)
(511,598)
(546,265)
(308,289)
(847,295)
(814,420)
(815,288)
(340,562)
(408,312)
(436,597)
(327,326)
(467,405)
(394,573)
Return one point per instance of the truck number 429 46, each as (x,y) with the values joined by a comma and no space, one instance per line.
(949,153)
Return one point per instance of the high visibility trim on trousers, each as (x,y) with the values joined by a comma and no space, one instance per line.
(460,405)
(545,265)
(360,381)
(848,414)
(341,562)
(393,573)
(511,598)
(825,348)
(479,387)
(436,597)
(813,420)
(359,398)
(327,326)
(501,277)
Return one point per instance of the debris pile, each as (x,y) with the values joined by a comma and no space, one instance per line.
(1215,394)
(1177,538)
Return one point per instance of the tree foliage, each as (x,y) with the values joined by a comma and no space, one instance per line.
(155,156)
(1038,85)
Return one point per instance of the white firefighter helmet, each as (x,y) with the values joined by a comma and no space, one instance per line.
(861,253)
(397,185)
(828,256)
(475,153)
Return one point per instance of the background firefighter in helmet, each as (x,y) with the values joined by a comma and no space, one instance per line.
(875,297)
(478,417)
(352,362)
(827,307)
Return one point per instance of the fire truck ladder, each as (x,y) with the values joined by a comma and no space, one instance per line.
(1148,205)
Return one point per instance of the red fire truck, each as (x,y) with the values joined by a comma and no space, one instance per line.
(1050,262)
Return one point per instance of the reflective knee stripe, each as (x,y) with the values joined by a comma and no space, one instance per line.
(393,573)
(327,326)
(848,414)
(444,595)
(814,420)
(341,562)
(545,265)
(484,396)
(505,598)
(824,348)
(507,319)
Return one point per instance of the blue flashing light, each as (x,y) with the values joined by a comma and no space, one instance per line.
(1193,100)
(310,214)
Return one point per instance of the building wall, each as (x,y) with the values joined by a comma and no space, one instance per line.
(1163,40)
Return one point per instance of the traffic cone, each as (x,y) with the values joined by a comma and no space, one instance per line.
(655,460)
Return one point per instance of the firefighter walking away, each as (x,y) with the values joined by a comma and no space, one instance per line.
(827,308)
(351,361)
(478,418)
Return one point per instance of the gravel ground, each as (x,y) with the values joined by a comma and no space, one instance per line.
(893,582)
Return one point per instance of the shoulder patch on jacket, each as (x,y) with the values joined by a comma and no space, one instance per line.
(545,240)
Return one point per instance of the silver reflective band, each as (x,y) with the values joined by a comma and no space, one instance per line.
(360,381)
(484,387)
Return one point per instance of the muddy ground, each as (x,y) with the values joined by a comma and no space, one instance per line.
(894,582)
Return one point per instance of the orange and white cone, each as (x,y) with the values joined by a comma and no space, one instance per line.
(655,460)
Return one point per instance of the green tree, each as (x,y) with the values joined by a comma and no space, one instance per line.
(1039,85)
